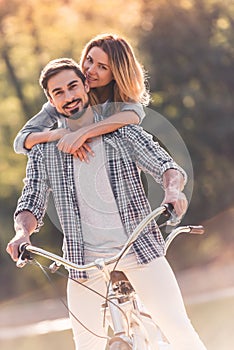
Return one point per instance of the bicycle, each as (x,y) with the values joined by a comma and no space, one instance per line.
(133,327)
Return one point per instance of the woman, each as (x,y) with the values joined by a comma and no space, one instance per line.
(114,75)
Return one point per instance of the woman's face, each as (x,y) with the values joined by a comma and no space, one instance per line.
(96,68)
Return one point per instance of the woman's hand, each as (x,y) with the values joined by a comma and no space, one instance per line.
(76,143)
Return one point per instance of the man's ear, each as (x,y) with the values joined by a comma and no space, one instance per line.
(50,100)
(49,97)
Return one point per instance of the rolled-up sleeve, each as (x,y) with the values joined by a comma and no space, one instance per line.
(44,120)
(110,108)
(149,155)
(134,107)
(35,193)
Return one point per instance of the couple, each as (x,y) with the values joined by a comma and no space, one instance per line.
(101,200)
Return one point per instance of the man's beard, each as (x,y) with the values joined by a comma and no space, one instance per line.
(75,113)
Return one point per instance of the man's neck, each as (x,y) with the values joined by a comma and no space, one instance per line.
(86,119)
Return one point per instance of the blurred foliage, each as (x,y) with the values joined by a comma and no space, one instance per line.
(190,57)
(187,48)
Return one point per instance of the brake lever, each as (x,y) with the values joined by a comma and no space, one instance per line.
(24,256)
(171,214)
(54,267)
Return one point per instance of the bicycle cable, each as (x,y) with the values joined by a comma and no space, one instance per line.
(44,268)
(108,285)
(114,268)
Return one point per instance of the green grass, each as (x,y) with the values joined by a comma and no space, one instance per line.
(213,321)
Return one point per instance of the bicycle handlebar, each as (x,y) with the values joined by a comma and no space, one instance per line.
(25,248)
(183,229)
(197,230)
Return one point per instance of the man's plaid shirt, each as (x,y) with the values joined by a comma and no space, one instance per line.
(127,150)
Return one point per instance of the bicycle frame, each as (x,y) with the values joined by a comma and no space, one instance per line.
(114,295)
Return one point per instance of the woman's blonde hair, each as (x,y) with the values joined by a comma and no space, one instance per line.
(130,83)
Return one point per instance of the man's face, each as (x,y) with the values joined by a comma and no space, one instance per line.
(67,93)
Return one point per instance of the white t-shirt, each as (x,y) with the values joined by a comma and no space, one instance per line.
(102,228)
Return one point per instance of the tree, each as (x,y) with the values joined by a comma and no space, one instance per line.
(190,62)
(32,33)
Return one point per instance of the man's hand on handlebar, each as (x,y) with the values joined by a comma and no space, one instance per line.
(25,225)
(13,246)
(173,183)
(178,201)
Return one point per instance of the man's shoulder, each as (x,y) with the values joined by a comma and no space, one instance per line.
(135,136)
(50,110)
(133,131)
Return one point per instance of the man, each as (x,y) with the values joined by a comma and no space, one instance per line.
(90,229)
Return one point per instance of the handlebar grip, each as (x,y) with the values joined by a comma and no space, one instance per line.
(22,247)
(24,255)
(170,215)
(169,210)
(197,230)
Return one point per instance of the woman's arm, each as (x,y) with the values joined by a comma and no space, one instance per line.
(40,123)
(112,123)
(37,130)
(137,108)
(131,113)
(34,138)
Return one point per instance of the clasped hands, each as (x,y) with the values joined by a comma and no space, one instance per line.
(77,144)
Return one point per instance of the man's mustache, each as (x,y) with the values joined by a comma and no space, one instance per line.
(76,114)
(71,102)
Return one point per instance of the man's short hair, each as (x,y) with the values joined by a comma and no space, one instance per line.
(56,66)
